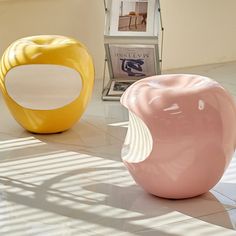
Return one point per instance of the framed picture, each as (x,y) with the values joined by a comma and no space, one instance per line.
(132,18)
(132,62)
(117,87)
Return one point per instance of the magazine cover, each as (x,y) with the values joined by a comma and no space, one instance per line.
(132,61)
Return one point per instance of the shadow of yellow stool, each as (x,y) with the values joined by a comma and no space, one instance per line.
(46,81)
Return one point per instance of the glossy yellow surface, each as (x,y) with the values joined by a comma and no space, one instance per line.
(55,50)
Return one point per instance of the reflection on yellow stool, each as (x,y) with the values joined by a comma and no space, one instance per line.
(41,55)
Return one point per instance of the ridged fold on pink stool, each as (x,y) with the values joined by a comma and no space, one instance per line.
(181,135)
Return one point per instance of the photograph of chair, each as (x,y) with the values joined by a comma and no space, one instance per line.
(133,16)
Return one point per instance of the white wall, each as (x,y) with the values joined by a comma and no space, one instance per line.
(196,32)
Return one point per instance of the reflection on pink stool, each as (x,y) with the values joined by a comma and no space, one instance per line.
(181,135)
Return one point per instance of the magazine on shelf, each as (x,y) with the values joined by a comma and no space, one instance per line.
(132,61)
(128,63)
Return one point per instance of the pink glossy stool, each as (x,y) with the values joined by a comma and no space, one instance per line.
(181,135)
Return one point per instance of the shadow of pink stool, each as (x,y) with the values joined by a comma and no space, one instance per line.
(181,135)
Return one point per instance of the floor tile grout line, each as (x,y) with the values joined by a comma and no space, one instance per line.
(225,196)
(211,214)
(103,131)
(191,218)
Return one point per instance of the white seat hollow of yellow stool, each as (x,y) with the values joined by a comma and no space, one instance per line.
(46,81)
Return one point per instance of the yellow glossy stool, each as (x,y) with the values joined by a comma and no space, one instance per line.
(48,50)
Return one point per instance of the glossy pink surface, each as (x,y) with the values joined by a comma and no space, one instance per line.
(192,122)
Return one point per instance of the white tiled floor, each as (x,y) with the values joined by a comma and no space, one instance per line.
(74,183)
